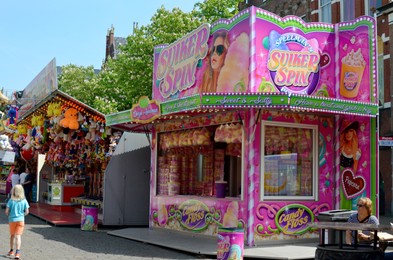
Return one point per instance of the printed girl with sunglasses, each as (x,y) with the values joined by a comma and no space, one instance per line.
(364,215)
(216,58)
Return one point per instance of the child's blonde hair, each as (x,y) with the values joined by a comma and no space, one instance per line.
(17,192)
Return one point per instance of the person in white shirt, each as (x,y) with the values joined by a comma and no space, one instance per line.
(23,175)
(15,178)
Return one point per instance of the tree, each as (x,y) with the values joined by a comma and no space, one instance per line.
(82,83)
(212,10)
(128,77)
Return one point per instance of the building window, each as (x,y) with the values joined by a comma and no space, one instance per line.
(190,162)
(347,10)
(289,161)
(325,10)
(371,6)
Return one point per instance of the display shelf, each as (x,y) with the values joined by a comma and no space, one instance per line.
(3,185)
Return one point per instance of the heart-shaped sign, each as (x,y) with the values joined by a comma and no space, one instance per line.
(352,185)
(325,60)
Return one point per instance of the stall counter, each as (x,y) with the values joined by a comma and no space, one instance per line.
(61,193)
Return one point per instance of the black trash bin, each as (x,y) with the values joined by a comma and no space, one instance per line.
(337,215)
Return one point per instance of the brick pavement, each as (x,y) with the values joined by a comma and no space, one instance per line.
(43,241)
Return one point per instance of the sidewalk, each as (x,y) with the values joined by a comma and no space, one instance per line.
(207,245)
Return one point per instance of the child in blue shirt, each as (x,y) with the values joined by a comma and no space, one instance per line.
(16,210)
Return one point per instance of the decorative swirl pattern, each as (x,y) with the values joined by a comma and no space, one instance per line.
(318,208)
(271,213)
(260,230)
(271,210)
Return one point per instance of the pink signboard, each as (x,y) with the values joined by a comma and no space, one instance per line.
(212,60)
(259,52)
(319,59)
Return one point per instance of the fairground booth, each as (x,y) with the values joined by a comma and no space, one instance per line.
(63,141)
(261,122)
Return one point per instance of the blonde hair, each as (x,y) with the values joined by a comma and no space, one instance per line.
(354,143)
(368,204)
(17,192)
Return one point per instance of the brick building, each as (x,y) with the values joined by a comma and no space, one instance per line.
(334,11)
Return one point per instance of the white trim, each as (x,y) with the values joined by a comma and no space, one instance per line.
(386,57)
(387,105)
(315,167)
(385,38)
(390,18)
(314,12)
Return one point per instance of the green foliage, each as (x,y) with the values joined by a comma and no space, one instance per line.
(128,77)
(212,10)
(82,83)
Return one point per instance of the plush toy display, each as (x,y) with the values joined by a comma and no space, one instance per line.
(91,135)
(4,143)
(70,119)
(12,115)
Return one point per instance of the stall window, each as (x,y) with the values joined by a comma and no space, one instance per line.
(289,161)
(191,161)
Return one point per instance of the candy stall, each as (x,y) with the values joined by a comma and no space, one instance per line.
(260,122)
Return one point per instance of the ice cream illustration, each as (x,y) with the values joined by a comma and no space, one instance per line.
(352,69)
(162,216)
(231,216)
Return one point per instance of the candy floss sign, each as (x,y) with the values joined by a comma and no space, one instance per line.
(293,219)
(175,64)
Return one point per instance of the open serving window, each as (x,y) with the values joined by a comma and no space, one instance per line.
(201,160)
(289,161)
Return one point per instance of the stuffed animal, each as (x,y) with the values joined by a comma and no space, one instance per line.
(12,115)
(91,135)
(56,113)
(4,143)
(21,131)
(70,119)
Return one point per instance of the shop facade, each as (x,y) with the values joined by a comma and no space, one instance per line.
(283,129)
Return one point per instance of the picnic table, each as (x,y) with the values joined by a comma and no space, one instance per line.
(342,250)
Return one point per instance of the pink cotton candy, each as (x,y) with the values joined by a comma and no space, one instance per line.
(235,72)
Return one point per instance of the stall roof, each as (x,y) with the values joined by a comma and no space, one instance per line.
(130,142)
(122,120)
(219,102)
(60,96)
(3,98)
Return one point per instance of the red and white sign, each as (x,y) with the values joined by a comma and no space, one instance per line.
(385,141)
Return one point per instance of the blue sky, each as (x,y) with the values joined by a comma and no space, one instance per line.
(32,33)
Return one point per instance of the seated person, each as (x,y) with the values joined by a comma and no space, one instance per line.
(364,215)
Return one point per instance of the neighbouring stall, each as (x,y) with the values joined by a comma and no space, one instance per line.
(260,122)
(127,181)
(71,143)
(7,153)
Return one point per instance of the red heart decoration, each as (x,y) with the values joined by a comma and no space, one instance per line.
(325,60)
(27,154)
(352,185)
